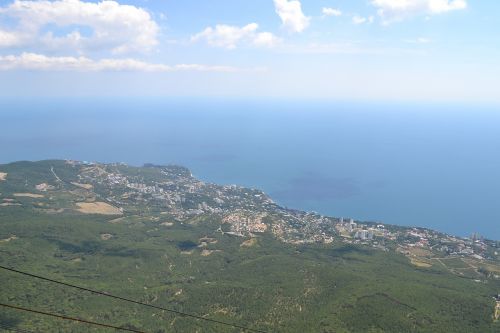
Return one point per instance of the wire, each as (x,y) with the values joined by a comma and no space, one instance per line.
(180,313)
(69,318)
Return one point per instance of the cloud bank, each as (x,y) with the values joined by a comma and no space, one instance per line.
(88,26)
(39,62)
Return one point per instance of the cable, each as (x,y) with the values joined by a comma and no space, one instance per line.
(180,313)
(69,318)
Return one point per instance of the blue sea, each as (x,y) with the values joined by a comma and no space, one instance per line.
(432,165)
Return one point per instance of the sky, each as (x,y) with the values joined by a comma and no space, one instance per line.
(362,50)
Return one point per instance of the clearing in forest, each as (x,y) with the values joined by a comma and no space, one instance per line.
(28,195)
(84,186)
(97,208)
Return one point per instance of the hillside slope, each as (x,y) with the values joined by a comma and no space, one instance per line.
(160,236)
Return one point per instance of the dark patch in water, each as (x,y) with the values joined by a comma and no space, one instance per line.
(316,187)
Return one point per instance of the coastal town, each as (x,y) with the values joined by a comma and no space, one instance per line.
(247,212)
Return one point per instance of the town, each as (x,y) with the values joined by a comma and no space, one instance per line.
(172,192)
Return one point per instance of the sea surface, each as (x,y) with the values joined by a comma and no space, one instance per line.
(431,165)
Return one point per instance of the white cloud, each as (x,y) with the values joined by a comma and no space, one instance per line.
(331,11)
(110,26)
(229,36)
(8,39)
(265,39)
(396,10)
(40,62)
(291,15)
(356,19)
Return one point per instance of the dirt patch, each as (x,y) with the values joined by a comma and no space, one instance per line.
(420,263)
(205,241)
(3,176)
(85,186)
(206,253)
(224,311)
(249,243)
(6,240)
(167,224)
(44,187)
(208,240)
(28,195)
(98,208)
(51,210)
(420,252)
(106,237)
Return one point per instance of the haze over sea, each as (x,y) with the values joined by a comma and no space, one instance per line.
(435,166)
